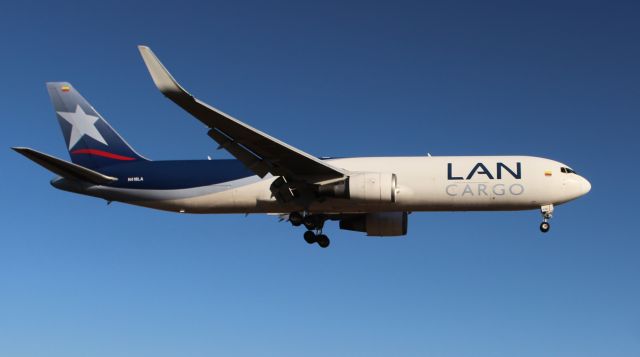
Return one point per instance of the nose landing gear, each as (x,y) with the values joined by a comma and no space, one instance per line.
(547,213)
(544,227)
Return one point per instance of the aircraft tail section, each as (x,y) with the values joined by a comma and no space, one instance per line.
(91,141)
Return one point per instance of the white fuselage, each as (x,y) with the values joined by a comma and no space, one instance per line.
(445,183)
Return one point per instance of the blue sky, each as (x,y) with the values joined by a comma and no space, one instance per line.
(553,79)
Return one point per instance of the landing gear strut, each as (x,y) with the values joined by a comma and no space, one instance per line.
(295,218)
(547,213)
(314,224)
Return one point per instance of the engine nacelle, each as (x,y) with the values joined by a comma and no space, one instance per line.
(373,186)
(380,224)
(364,186)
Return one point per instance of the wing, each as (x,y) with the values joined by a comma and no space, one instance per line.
(258,151)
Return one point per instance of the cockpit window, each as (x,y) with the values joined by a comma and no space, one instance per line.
(566,170)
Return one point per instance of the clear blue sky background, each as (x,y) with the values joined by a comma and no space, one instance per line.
(553,79)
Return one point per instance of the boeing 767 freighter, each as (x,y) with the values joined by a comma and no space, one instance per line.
(366,194)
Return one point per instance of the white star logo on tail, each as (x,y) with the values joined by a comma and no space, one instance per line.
(81,124)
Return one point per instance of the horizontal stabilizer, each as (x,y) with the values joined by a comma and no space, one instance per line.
(64,168)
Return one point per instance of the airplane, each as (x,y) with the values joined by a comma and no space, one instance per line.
(373,195)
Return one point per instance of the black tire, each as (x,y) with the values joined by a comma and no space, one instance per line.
(309,237)
(323,241)
(544,227)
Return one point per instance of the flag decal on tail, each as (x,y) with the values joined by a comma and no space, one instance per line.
(65,88)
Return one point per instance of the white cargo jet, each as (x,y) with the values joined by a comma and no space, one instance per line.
(367,194)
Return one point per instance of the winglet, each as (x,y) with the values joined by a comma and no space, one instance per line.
(161,77)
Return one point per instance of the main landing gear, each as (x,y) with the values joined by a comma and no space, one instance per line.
(313,224)
(322,240)
(547,213)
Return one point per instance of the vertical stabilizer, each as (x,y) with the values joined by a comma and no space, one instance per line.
(91,141)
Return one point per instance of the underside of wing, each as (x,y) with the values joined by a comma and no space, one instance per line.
(260,152)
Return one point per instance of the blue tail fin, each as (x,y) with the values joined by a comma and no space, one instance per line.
(91,141)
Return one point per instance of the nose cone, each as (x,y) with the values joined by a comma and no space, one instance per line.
(585,185)
(575,186)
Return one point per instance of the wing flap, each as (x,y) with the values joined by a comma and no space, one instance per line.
(64,168)
(259,151)
(249,159)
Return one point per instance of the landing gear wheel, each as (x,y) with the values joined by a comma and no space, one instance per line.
(309,237)
(544,227)
(323,241)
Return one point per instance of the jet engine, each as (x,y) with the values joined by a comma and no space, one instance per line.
(380,224)
(364,186)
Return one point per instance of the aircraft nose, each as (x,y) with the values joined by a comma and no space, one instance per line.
(585,185)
